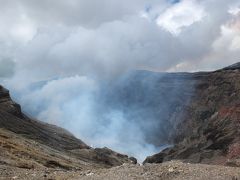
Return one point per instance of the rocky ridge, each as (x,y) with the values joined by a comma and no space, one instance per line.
(209,128)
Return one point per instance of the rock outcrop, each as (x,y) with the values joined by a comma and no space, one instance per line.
(208,130)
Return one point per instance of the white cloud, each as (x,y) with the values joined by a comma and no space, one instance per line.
(183,67)
(234,9)
(24,30)
(230,37)
(68,41)
(181,15)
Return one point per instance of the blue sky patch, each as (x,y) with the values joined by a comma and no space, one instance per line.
(174,1)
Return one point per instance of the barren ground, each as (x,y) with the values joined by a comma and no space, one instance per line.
(174,170)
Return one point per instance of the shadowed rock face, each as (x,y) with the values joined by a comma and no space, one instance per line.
(152,101)
(209,131)
(28,143)
(233,67)
(7,105)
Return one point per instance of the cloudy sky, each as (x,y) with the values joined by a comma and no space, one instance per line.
(73,44)
(51,38)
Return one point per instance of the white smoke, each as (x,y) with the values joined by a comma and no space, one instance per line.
(58,54)
(74,103)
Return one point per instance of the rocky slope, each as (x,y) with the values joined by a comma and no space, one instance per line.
(208,130)
(28,143)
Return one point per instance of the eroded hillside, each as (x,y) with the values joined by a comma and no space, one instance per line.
(28,143)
